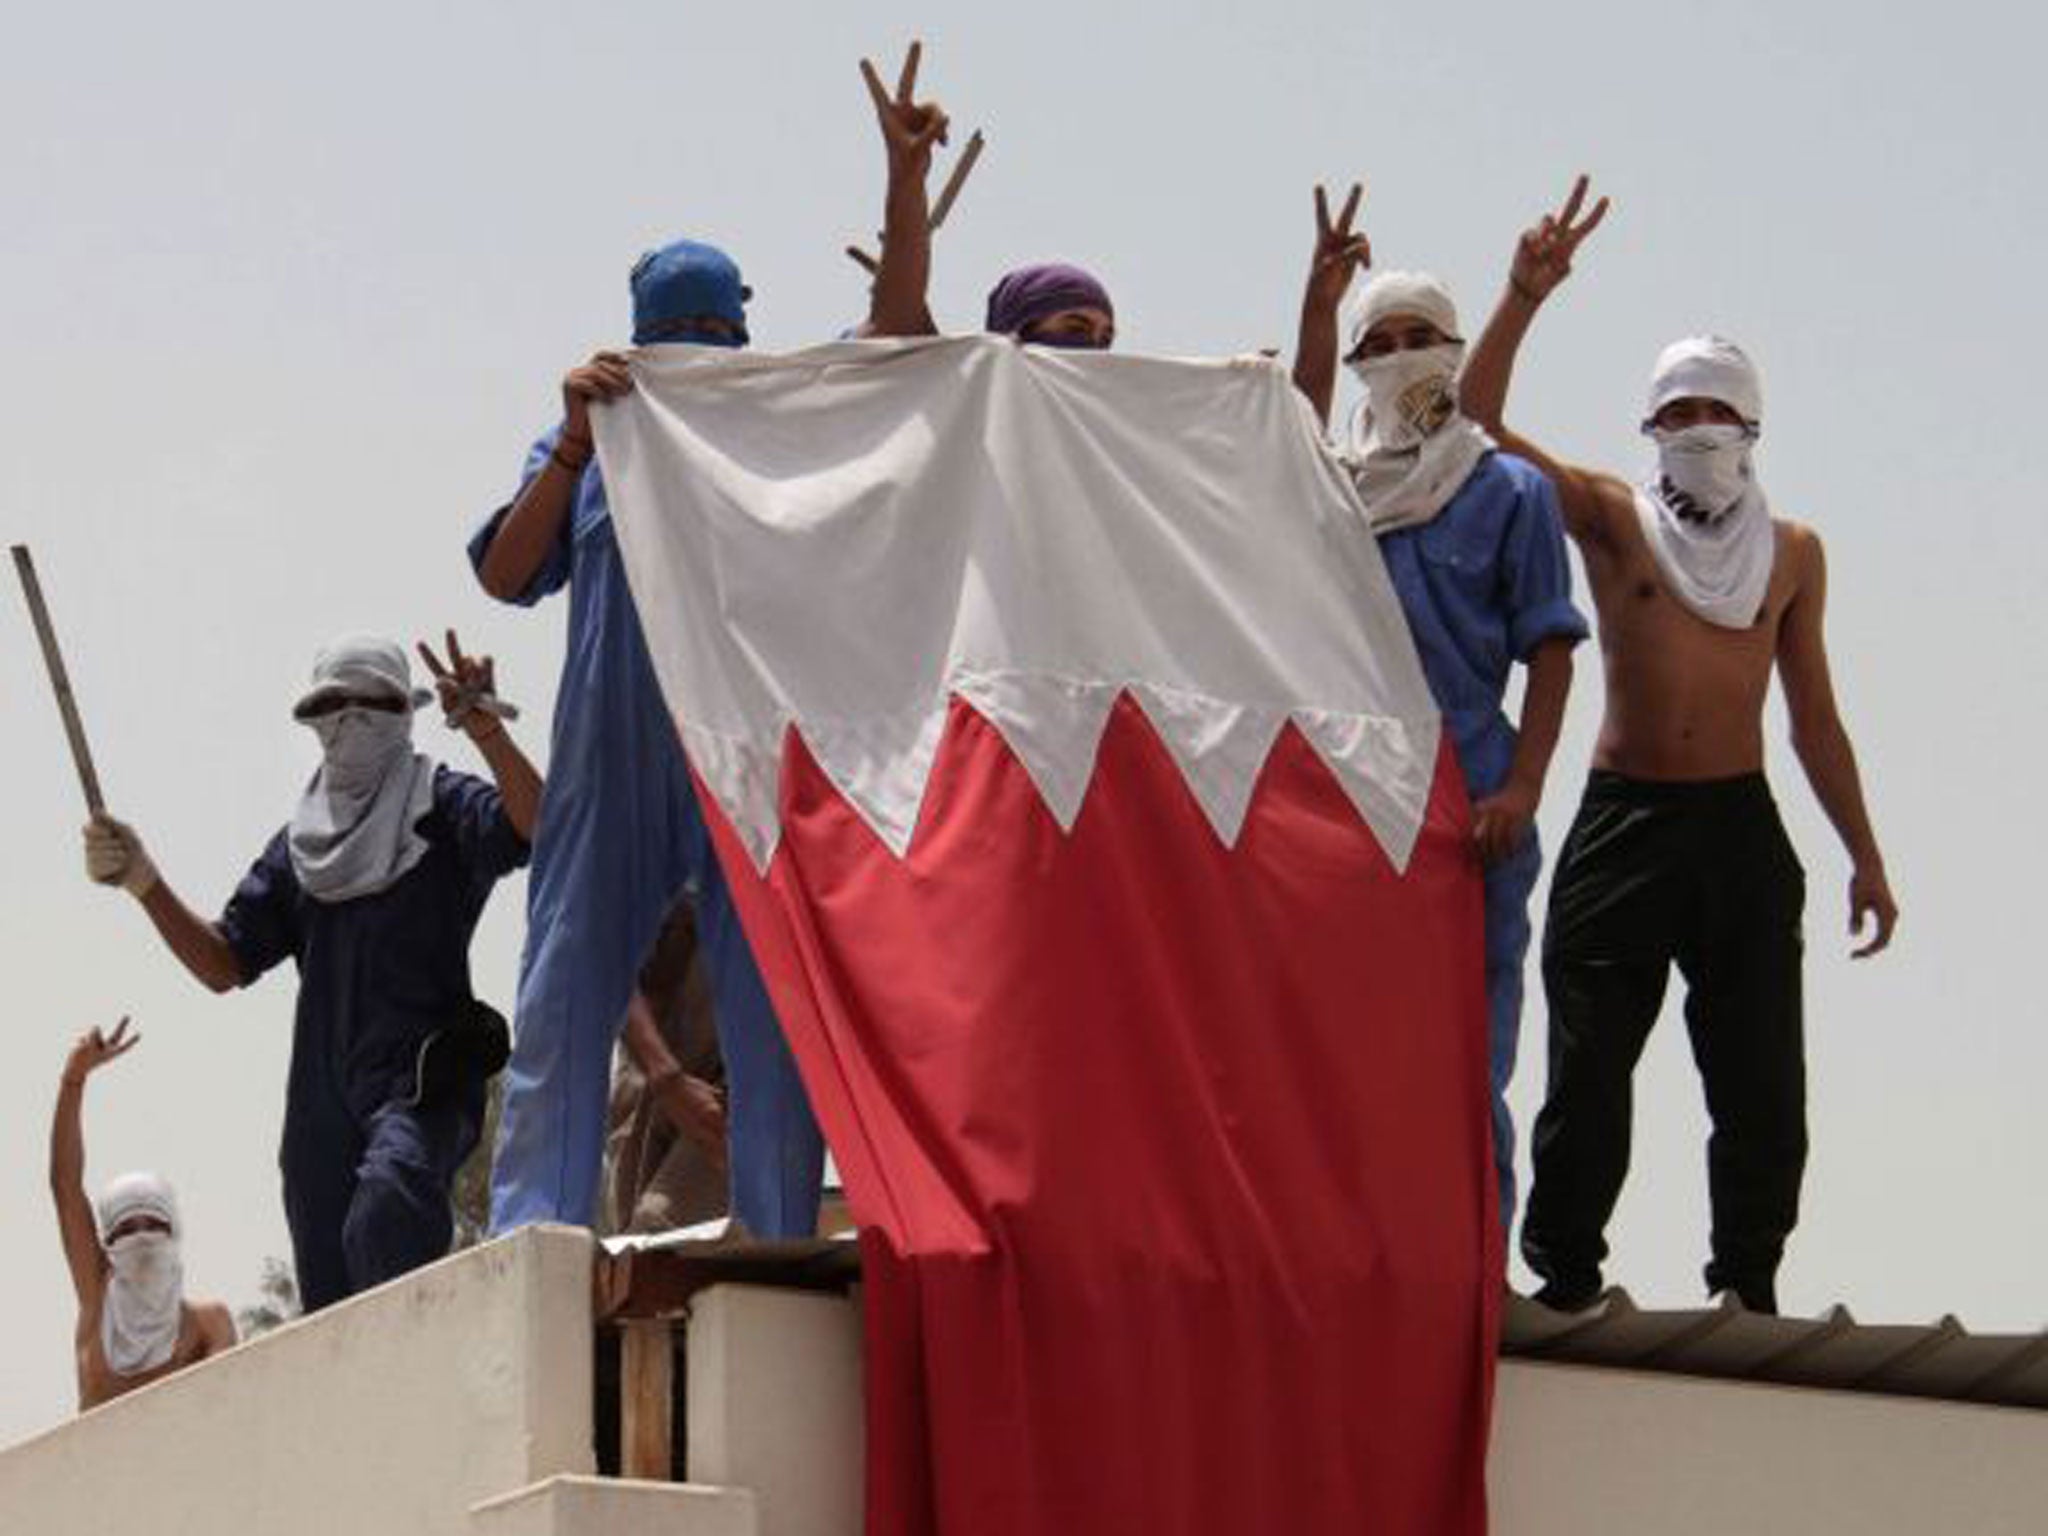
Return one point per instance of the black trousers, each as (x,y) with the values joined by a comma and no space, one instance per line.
(1701,876)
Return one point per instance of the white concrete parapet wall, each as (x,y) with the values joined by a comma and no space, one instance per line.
(774,1406)
(1579,1449)
(608,1506)
(391,1413)
(457,1402)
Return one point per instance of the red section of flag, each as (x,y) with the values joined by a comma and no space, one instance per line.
(1171,1158)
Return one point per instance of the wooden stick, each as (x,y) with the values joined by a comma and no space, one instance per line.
(60,681)
(947,196)
(956,181)
(647,1399)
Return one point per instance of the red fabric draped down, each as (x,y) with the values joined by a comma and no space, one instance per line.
(1171,1158)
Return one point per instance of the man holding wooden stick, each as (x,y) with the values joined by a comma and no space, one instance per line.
(374,889)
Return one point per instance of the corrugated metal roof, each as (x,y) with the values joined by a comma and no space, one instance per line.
(1941,1359)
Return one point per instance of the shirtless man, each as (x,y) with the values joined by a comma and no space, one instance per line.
(1677,854)
(134,1324)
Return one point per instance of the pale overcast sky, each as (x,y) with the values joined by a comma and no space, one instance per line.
(288,290)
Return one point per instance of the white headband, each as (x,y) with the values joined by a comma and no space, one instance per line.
(361,666)
(1707,368)
(137,1194)
(1404,293)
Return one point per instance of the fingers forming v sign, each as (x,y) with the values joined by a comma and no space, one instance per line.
(459,674)
(909,127)
(1339,252)
(1543,259)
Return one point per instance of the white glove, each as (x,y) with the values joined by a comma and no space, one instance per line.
(114,855)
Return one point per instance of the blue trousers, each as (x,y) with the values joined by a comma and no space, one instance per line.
(1508,886)
(596,906)
(367,1201)
(777,1154)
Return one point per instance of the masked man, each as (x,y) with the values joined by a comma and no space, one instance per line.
(1475,551)
(135,1324)
(373,888)
(1677,855)
(621,834)
(1050,304)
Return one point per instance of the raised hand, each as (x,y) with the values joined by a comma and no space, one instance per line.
(467,686)
(95,1048)
(910,128)
(1543,256)
(605,377)
(1339,252)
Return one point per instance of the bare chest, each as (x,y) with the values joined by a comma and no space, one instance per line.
(1643,628)
(99,1382)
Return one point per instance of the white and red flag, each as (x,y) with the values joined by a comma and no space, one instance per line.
(1086,807)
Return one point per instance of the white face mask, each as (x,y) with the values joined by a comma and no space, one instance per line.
(1707,467)
(144,1305)
(360,745)
(1410,394)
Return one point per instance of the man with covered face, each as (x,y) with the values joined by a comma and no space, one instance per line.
(1677,856)
(621,835)
(135,1323)
(1052,304)
(1473,546)
(373,888)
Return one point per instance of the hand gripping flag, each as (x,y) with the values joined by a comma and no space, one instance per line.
(1088,812)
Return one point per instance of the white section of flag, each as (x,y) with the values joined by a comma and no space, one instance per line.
(842,540)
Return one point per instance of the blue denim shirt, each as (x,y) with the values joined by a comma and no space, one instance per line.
(1484,583)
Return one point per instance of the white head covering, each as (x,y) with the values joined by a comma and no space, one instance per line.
(1707,368)
(1404,293)
(1703,513)
(1410,448)
(354,832)
(144,1306)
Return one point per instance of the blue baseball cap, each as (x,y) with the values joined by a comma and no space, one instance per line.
(680,282)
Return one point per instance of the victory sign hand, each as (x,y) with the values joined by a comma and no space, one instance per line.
(1339,252)
(910,128)
(1543,256)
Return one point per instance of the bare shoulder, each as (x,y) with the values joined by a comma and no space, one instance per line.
(1608,517)
(1615,493)
(216,1326)
(1800,551)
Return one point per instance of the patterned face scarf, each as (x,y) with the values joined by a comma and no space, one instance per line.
(1703,513)
(1410,449)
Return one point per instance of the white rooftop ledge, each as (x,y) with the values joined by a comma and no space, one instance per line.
(393,1413)
(458,1402)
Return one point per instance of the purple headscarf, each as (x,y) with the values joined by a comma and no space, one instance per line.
(1029,294)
